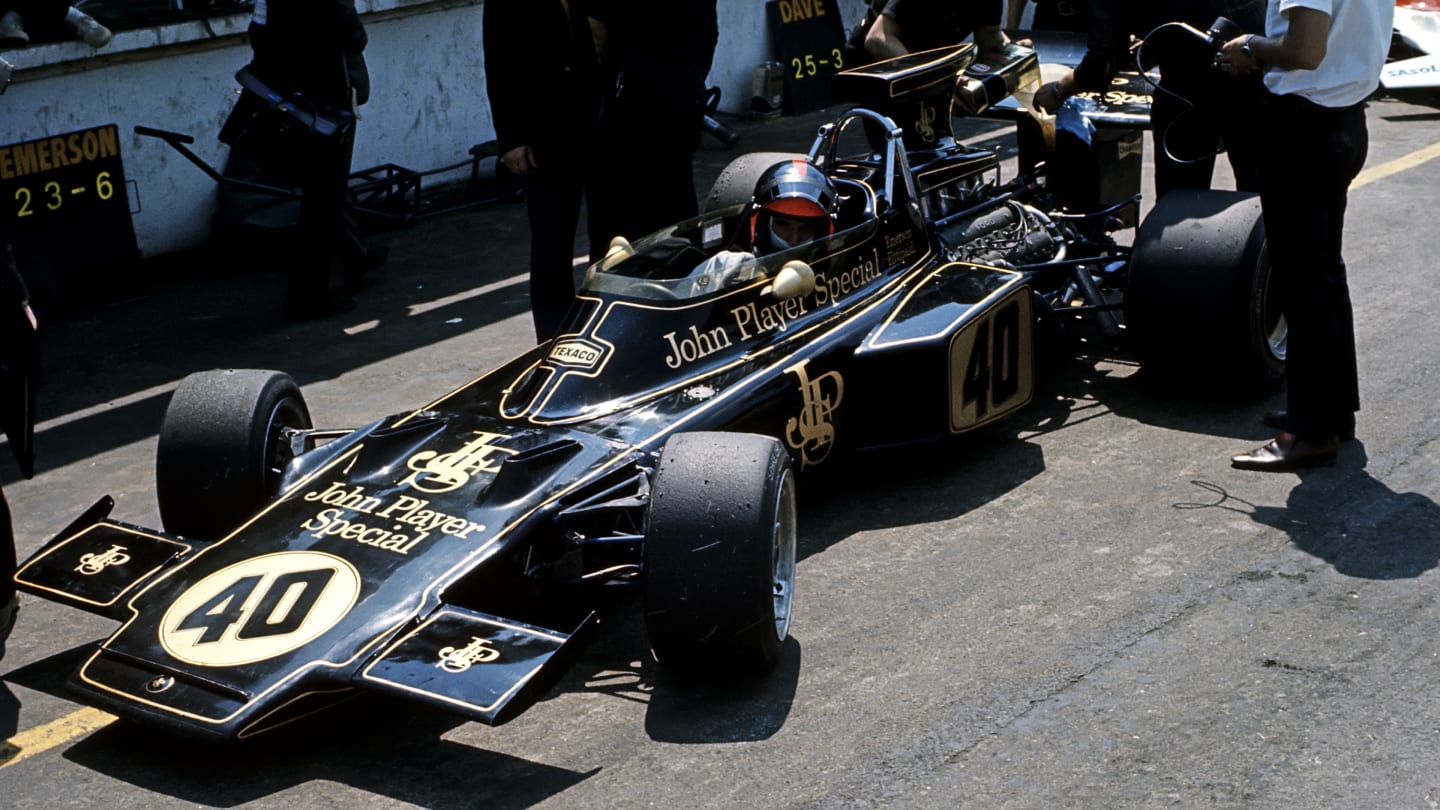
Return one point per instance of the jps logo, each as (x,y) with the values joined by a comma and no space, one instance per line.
(458,659)
(812,433)
(92,564)
(442,472)
(925,126)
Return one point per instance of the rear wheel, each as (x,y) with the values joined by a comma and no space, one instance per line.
(720,554)
(222,448)
(1199,302)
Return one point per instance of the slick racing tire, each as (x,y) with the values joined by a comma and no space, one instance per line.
(1199,303)
(719,555)
(220,453)
(736,183)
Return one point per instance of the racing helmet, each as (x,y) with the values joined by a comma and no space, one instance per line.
(793,192)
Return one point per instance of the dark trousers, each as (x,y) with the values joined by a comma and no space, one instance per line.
(1192,116)
(658,190)
(7,552)
(646,180)
(1310,154)
(320,230)
(274,148)
(8,341)
(552,200)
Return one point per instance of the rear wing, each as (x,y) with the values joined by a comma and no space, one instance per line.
(922,91)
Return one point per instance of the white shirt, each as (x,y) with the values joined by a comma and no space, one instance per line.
(1354,52)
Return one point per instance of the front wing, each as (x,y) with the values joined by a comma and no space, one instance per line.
(96,564)
(484,667)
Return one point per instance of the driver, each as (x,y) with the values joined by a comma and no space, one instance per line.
(794,203)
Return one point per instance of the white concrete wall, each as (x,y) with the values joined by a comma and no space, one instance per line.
(428,99)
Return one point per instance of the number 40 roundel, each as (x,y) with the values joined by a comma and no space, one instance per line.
(260,608)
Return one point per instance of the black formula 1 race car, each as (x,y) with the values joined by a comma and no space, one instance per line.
(1412,71)
(454,554)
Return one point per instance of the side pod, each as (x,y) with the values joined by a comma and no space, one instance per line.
(962,339)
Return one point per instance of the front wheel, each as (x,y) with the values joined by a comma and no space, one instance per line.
(719,554)
(1199,301)
(222,448)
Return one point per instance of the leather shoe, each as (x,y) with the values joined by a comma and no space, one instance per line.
(1288,452)
(1280,421)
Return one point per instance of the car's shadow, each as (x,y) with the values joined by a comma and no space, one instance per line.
(381,745)
(1211,404)
(378,746)
(394,748)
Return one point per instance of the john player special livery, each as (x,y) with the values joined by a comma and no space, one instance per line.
(453,554)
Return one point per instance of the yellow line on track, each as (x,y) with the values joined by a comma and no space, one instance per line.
(38,740)
(1396,166)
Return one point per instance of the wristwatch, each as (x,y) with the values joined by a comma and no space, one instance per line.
(1245,48)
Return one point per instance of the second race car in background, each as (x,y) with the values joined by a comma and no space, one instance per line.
(1413,72)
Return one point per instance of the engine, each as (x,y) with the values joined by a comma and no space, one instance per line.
(1009,235)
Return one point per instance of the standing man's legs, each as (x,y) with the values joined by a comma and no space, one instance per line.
(553,203)
(645,179)
(1243,104)
(8,603)
(1193,115)
(1186,139)
(1311,154)
(320,230)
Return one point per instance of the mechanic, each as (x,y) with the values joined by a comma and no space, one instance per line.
(19,369)
(793,203)
(1320,59)
(1196,108)
(313,53)
(655,57)
(908,26)
(543,79)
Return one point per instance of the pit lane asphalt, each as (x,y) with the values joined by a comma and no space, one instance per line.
(1082,607)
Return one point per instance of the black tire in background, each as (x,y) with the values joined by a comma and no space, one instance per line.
(736,182)
(1199,303)
(220,456)
(719,554)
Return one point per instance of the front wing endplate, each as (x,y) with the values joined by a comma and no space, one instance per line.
(98,567)
(484,667)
